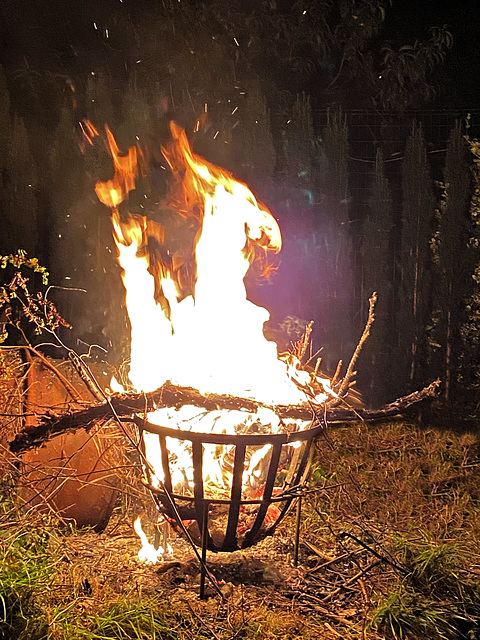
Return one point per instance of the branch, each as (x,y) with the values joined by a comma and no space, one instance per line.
(168,395)
(350,373)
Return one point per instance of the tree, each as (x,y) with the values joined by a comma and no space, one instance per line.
(4,113)
(468,375)
(20,205)
(299,143)
(377,276)
(4,143)
(405,71)
(332,181)
(454,260)
(415,260)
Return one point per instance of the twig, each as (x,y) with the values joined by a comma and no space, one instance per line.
(336,375)
(352,580)
(381,557)
(300,347)
(67,384)
(202,621)
(344,385)
(316,605)
(86,376)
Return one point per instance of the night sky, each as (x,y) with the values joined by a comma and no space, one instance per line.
(62,37)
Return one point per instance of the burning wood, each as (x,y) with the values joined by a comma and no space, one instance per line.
(168,395)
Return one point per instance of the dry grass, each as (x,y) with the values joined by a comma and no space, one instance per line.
(393,552)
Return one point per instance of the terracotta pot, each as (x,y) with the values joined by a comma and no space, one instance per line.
(72,474)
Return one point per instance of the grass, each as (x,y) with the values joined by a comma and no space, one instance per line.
(409,495)
(26,571)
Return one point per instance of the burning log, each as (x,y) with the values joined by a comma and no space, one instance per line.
(124,406)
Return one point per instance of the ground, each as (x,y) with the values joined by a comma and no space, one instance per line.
(390,547)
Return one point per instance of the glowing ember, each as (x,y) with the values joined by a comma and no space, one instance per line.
(191,321)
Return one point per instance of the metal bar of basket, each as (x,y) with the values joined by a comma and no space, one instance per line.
(297,482)
(230,540)
(167,477)
(291,490)
(205,540)
(197,460)
(250,536)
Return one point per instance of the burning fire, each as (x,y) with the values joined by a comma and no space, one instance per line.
(191,321)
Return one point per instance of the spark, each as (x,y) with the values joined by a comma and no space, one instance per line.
(234,111)
(236,42)
(106,32)
(216,135)
(95,25)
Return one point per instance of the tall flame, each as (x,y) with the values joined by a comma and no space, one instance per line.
(191,321)
(200,331)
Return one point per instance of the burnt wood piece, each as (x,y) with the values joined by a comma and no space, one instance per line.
(123,406)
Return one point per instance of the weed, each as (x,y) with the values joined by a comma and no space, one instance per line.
(26,571)
(404,615)
(129,618)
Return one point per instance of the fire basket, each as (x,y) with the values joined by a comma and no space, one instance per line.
(246,520)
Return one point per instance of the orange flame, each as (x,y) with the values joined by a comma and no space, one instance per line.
(191,321)
(114,191)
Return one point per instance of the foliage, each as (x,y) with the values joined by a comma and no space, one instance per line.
(17,301)
(404,71)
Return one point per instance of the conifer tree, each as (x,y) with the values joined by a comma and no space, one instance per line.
(19,191)
(376,249)
(67,179)
(4,115)
(136,120)
(453,257)
(255,130)
(299,143)
(468,374)
(98,97)
(4,144)
(418,209)
(333,182)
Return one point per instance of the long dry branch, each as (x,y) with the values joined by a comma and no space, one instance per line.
(168,395)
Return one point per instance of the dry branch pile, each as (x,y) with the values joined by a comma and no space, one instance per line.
(119,407)
(124,405)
